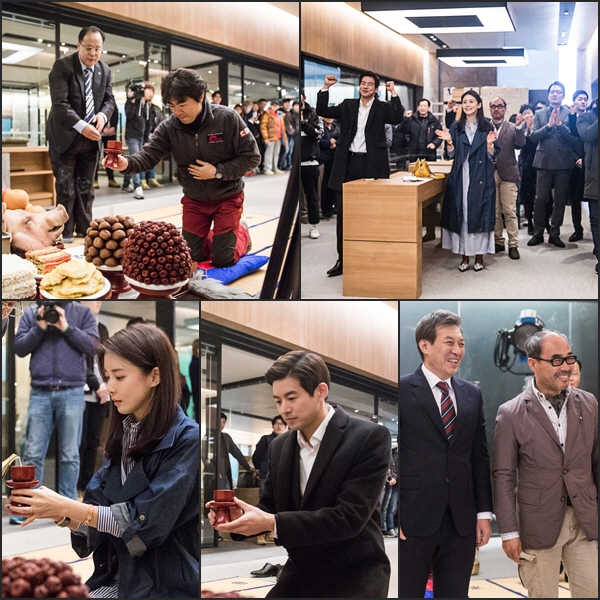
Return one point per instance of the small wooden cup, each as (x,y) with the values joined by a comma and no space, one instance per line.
(22,473)
(224,495)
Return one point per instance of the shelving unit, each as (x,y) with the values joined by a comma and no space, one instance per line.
(30,170)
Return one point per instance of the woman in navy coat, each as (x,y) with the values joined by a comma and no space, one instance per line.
(469,209)
(140,514)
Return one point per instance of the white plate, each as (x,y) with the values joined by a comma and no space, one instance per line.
(102,292)
(155,288)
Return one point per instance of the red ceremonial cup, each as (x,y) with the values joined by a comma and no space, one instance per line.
(113,150)
(22,473)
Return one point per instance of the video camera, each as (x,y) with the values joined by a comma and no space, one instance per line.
(51,315)
(137,86)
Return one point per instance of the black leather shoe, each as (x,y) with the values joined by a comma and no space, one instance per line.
(429,235)
(513,253)
(529,229)
(268,570)
(336,269)
(499,248)
(535,240)
(575,237)
(556,241)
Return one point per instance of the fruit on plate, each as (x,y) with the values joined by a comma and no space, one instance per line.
(15,199)
(157,254)
(106,239)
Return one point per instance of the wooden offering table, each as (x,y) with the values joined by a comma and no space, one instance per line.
(382,232)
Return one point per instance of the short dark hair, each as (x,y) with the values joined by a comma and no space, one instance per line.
(217,92)
(223,416)
(278,418)
(135,321)
(307,367)
(542,102)
(533,346)
(579,363)
(90,29)
(427,326)
(558,83)
(369,74)
(512,118)
(579,92)
(424,100)
(181,84)
(146,347)
(262,100)
(525,107)
(295,102)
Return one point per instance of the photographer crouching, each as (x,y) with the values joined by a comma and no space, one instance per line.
(59,336)
(136,111)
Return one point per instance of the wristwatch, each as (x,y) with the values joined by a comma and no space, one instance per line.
(64,522)
(218,174)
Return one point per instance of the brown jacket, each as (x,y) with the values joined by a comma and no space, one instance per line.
(527,454)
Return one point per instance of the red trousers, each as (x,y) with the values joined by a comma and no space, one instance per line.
(227,241)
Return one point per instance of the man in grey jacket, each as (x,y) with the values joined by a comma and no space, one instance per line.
(554,160)
(213,150)
(546,443)
(506,174)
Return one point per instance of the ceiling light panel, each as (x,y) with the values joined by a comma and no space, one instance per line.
(442,17)
(484,57)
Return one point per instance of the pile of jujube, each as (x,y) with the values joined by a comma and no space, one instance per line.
(105,240)
(40,578)
(157,254)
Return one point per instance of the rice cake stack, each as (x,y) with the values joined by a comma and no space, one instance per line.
(18,278)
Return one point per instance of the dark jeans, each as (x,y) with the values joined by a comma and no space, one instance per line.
(310,184)
(388,506)
(74,171)
(449,555)
(356,168)
(545,180)
(94,417)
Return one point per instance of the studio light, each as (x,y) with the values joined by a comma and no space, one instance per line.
(527,325)
(442,17)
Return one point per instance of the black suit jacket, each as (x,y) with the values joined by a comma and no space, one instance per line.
(378,162)
(332,533)
(434,471)
(67,91)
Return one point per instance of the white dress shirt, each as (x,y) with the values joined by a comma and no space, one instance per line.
(433,380)
(80,125)
(359,143)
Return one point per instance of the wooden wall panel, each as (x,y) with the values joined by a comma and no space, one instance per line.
(338,32)
(361,336)
(256,29)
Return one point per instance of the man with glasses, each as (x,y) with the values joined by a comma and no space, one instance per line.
(555,158)
(506,174)
(547,440)
(82,104)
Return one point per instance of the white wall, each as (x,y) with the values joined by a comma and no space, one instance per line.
(541,71)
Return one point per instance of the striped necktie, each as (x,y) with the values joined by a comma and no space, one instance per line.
(89,98)
(448,412)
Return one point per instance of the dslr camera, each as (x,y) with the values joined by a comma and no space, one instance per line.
(137,86)
(51,315)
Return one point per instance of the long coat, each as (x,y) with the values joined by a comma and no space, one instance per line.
(378,162)
(481,197)
(587,127)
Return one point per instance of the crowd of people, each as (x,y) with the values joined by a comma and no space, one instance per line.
(140,508)
(540,159)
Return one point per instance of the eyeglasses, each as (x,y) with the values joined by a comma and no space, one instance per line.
(497,106)
(89,49)
(556,93)
(559,360)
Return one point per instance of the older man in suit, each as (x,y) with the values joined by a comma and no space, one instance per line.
(546,444)
(362,149)
(322,495)
(445,486)
(82,104)
(506,173)
(554,160)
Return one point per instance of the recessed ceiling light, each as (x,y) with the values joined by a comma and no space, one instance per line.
(483,57)
(40,40)
(441,17)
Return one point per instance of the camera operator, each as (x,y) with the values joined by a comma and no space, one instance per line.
(59,336)
(136,112)
(155,117)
